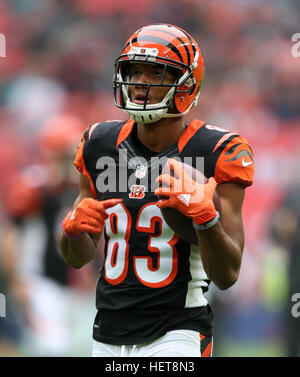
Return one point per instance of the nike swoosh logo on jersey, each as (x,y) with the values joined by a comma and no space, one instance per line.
(245,164)
(184,198)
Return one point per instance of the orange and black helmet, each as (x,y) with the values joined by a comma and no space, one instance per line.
(173,48)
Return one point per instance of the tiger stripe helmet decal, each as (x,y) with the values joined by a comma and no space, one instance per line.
(169,46)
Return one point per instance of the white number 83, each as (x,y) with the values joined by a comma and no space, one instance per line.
(118,227)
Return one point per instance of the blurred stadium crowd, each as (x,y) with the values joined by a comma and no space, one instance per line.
(56,79)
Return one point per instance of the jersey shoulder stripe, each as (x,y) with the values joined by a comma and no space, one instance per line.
(224,140)
(190,131)
(202,138)
(227,156)
(79,162)
(125,131)
(103,129)
(98,140)
(233,158)
(235,162)
(201,143)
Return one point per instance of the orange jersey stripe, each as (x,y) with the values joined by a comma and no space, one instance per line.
(125,131)
(235,163)
(225,137)
(188,133)
(80,165)
(92,129)
(207,351)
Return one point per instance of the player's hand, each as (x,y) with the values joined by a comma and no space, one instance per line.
(88,216)
(181,192)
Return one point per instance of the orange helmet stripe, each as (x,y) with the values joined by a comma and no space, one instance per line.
(156,39)
(177,33)
(169,36)
(165,31)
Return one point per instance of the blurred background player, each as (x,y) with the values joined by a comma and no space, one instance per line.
(46,291)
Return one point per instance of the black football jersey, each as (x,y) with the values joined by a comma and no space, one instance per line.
(151,280)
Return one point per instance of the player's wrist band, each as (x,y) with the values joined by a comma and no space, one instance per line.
(207,225)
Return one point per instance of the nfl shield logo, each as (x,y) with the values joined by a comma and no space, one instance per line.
(140,171)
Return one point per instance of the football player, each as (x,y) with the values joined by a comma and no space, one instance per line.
(151,292)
